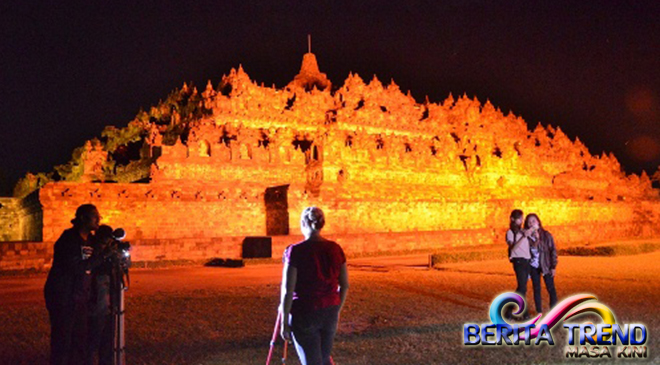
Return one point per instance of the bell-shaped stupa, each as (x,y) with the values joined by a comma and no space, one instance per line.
(310,76)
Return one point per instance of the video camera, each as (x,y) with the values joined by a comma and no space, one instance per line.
(116,250)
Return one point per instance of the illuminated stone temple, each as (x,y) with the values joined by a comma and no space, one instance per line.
(202,173)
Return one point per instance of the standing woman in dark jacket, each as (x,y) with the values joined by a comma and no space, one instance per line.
(67,287)
(544,260)
(314,288)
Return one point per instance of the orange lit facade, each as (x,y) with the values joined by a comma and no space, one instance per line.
(391,174)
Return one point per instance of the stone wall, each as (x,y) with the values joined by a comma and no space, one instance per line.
(9,222)
(149,211)
(201,221)
(25,255)
(21,218)
(38,255)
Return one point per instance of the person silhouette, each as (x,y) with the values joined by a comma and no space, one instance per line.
(314,290)
(67,287)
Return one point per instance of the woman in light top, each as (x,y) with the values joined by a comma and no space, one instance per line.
(314,288)
(543,261)
(519,255)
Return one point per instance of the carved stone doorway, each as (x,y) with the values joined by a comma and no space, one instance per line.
(277,210)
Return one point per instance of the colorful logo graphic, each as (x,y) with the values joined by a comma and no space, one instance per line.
(593,338)
(566,309)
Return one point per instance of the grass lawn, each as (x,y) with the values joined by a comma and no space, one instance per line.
(395,314)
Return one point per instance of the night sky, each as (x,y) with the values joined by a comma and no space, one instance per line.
(69,69)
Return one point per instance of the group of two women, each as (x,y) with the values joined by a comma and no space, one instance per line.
(533,254)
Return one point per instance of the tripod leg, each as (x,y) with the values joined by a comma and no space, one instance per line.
(114,296)
(120,333)
(117,301)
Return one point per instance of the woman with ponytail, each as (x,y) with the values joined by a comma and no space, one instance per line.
(314,288)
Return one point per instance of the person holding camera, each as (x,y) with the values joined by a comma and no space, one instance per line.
(67,287)
(314,289)
(543,261)
(518,241)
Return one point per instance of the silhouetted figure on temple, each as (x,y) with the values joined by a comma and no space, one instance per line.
(314,289)
(68,286)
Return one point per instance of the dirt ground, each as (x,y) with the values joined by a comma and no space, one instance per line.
(398,311)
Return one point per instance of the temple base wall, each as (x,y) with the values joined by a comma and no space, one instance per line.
(38,255)
(203,221)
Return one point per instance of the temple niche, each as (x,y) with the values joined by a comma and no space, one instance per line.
(241,159)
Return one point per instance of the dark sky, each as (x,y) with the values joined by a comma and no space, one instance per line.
(68,69)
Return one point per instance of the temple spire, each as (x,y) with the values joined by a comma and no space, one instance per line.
(310,76)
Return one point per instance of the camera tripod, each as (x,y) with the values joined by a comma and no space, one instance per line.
(118,285)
